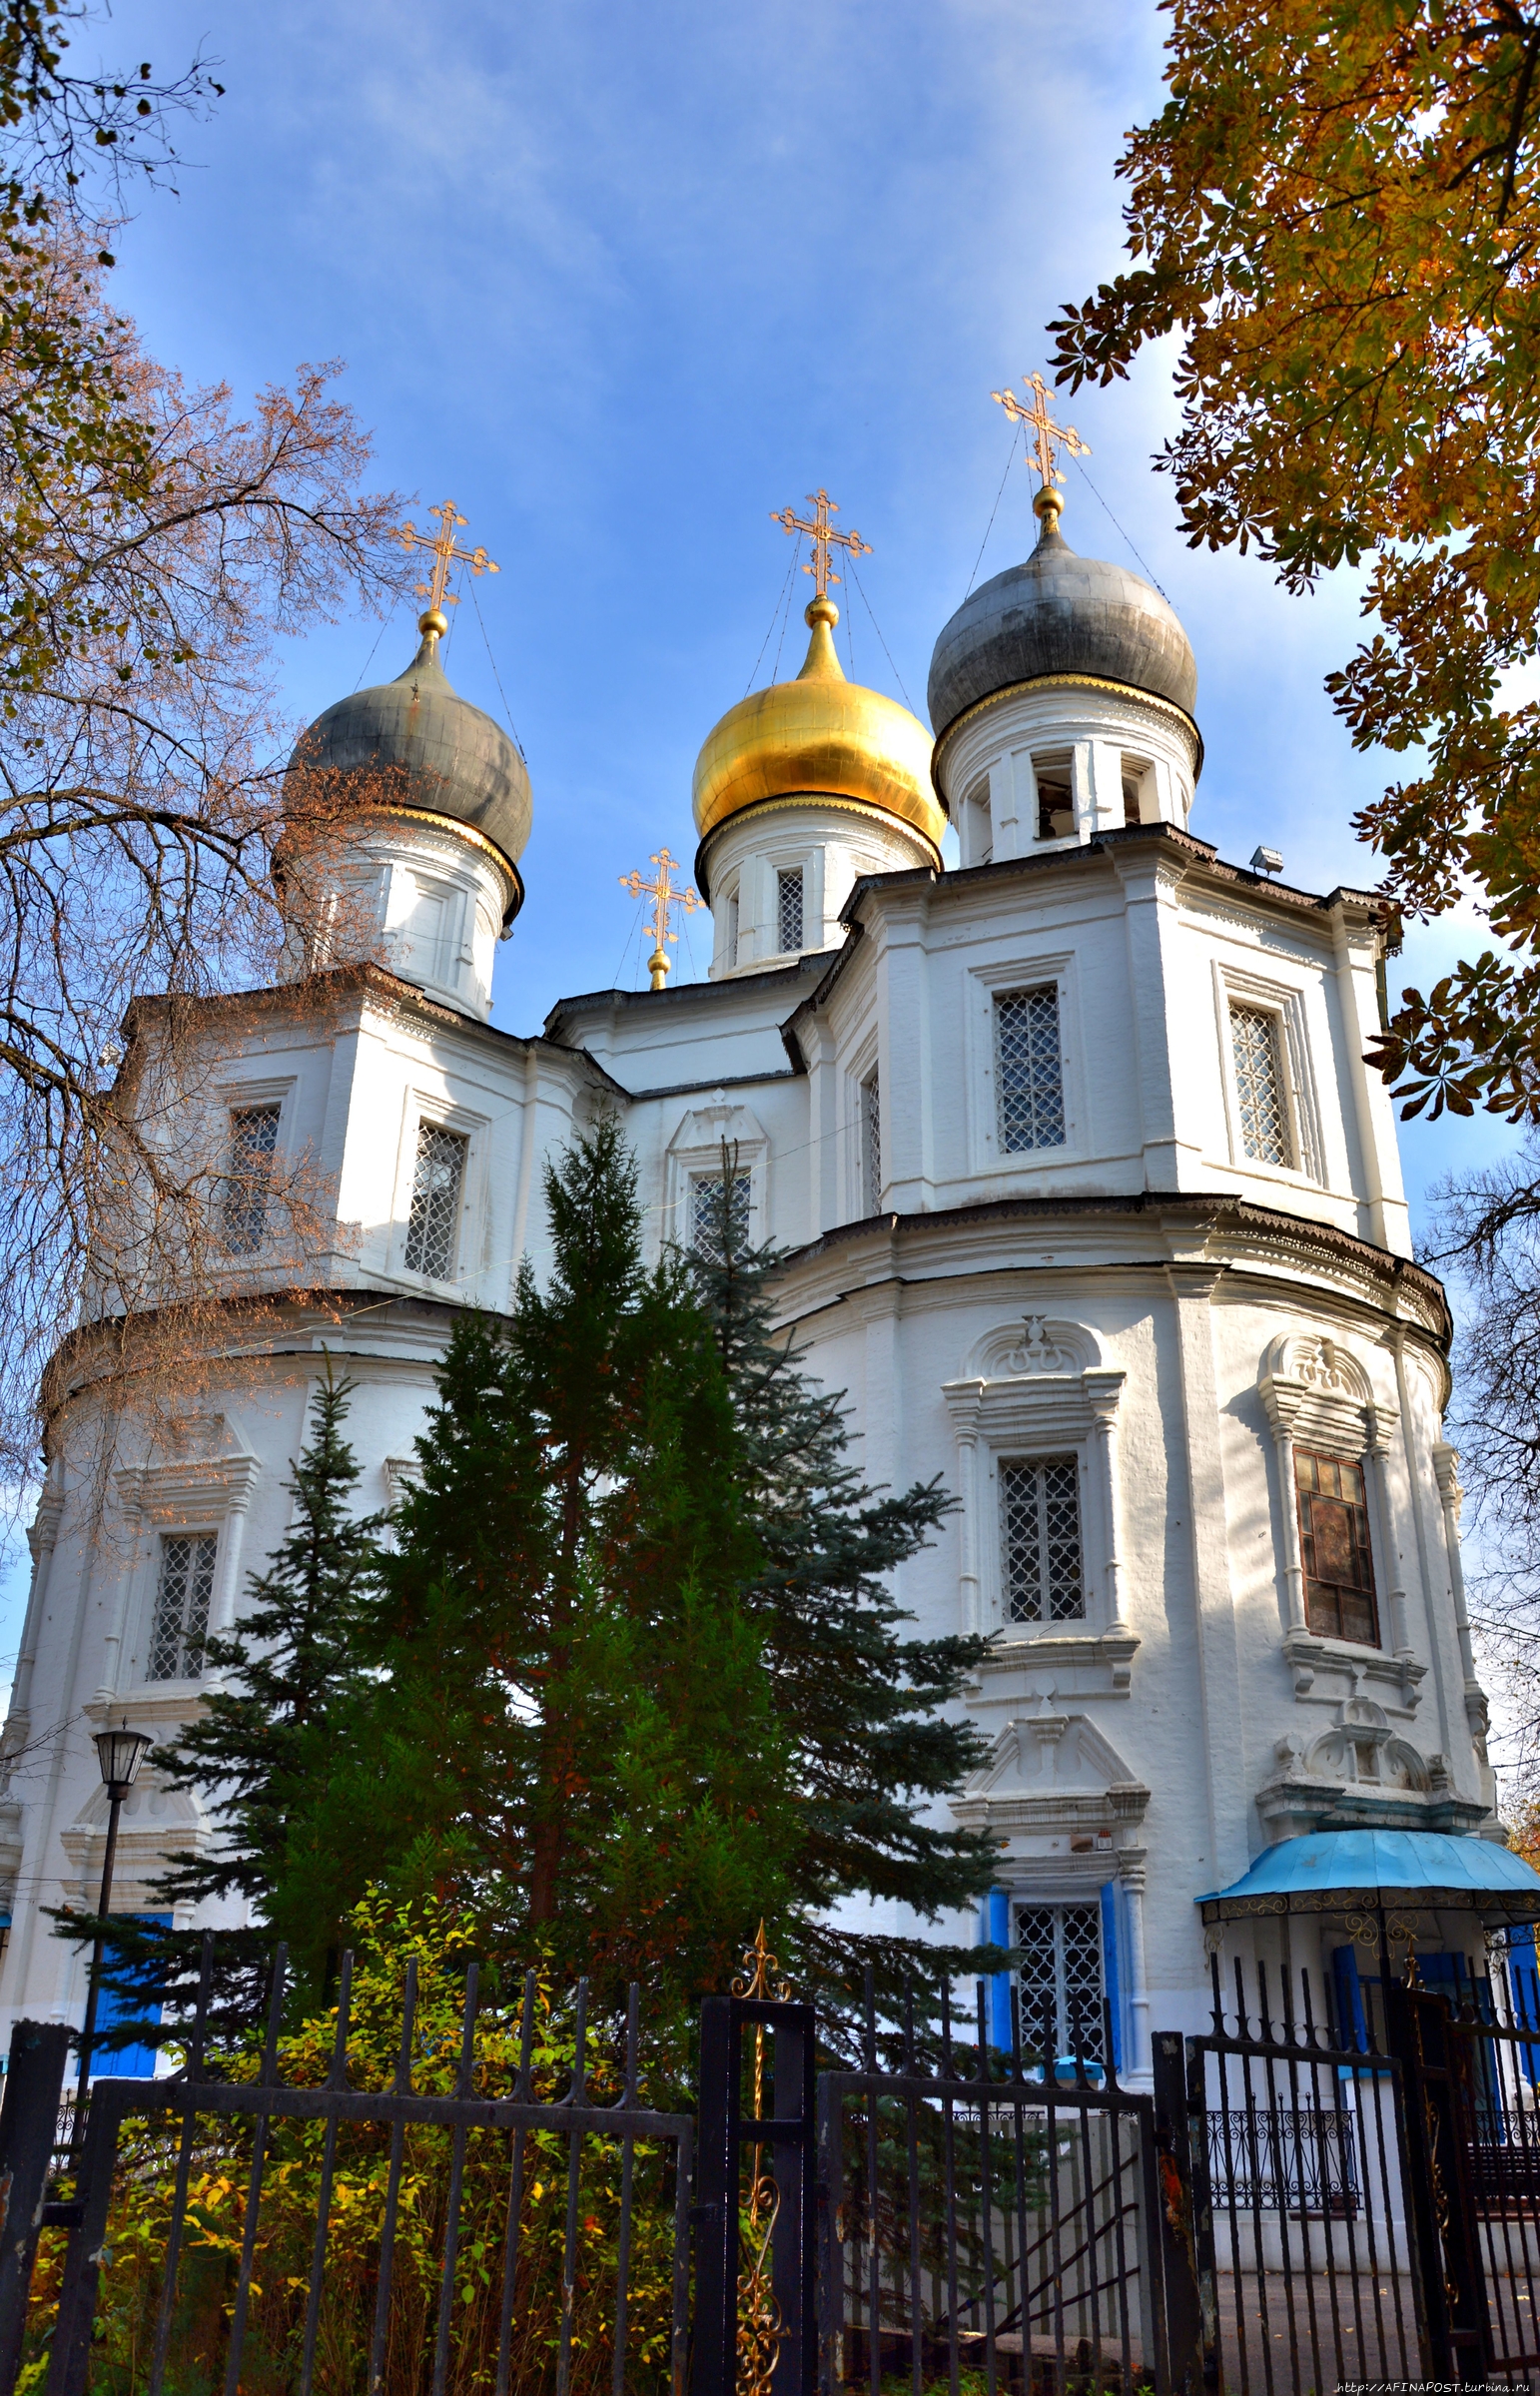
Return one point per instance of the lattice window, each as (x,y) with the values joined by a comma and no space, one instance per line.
(788,901)
(1029,1069)
(1061,1982)
(1040,1518)
(434,1224)
(1259,1088)
(708,1195)
(871,1144)
(182,1600)
(1334,1548)
(249,1181)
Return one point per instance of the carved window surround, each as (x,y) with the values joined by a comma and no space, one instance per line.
(1032,1386)
(1317,1396)
(696,1149)
(199,1495)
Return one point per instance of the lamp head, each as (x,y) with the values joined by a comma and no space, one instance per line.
(120,1753)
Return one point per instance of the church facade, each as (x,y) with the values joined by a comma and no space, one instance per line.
(1093,1207)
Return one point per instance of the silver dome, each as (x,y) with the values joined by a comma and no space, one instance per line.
(1060,614)
(423,746)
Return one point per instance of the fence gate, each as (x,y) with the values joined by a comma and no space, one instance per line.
(991,2213)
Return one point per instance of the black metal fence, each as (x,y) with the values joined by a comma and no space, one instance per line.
(1300,2202)
(439,2233)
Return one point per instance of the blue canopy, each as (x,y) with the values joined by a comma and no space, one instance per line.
(1317,1873)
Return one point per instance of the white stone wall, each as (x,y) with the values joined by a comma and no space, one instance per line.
(1142,1295)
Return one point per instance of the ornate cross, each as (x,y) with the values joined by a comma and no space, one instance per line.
(1047,430)
(822,536)
(665,894)
(445,554)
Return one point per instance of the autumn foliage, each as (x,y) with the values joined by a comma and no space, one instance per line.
(1338,211)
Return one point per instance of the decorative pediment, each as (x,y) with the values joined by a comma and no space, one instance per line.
(1316,1390)
(1360,1772)
(198,1489)
(1037,1375)
(702,1129)
(1050,1767)
(1034,1345)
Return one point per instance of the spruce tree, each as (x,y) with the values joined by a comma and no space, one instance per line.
(571,1727)
(861,1705)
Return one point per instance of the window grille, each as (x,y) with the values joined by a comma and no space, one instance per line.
(1257,1052)
(1062,1977)
(248,1184)
(788,887)
(1030,1071)
(871,1144)
(707,1197)
(1039,1517)
(1334,1547)
(434,1223)
(182,1601)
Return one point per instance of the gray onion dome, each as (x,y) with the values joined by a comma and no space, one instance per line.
(1060,614)
(441,753)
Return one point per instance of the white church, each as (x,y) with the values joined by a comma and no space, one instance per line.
(1093,1207)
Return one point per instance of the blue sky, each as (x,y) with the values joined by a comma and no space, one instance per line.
(621,281)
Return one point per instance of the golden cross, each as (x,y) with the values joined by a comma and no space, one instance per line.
(445,554)
(823,537)
(665,894)
(1047,431)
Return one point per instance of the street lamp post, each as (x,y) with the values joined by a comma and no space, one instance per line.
(120,1754)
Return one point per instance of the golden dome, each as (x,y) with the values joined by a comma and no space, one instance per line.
(819,737)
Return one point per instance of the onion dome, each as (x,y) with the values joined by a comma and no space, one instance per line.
(1060,614)
(821,740)
(415,743)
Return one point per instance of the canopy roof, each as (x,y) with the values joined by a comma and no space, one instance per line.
(1340,1870)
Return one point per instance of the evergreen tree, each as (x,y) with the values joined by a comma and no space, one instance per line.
(860,1705)
(570,1722)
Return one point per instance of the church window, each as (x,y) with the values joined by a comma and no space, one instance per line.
(182,1602)
(1061,1984)
(1031,1072)
(248,1184)
(1259,1093)
(1039,1521)
(789,911)
(732,931)
(871,1144)
(1334,1547)
(1056,797)
(707,1197)
(433,1222)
